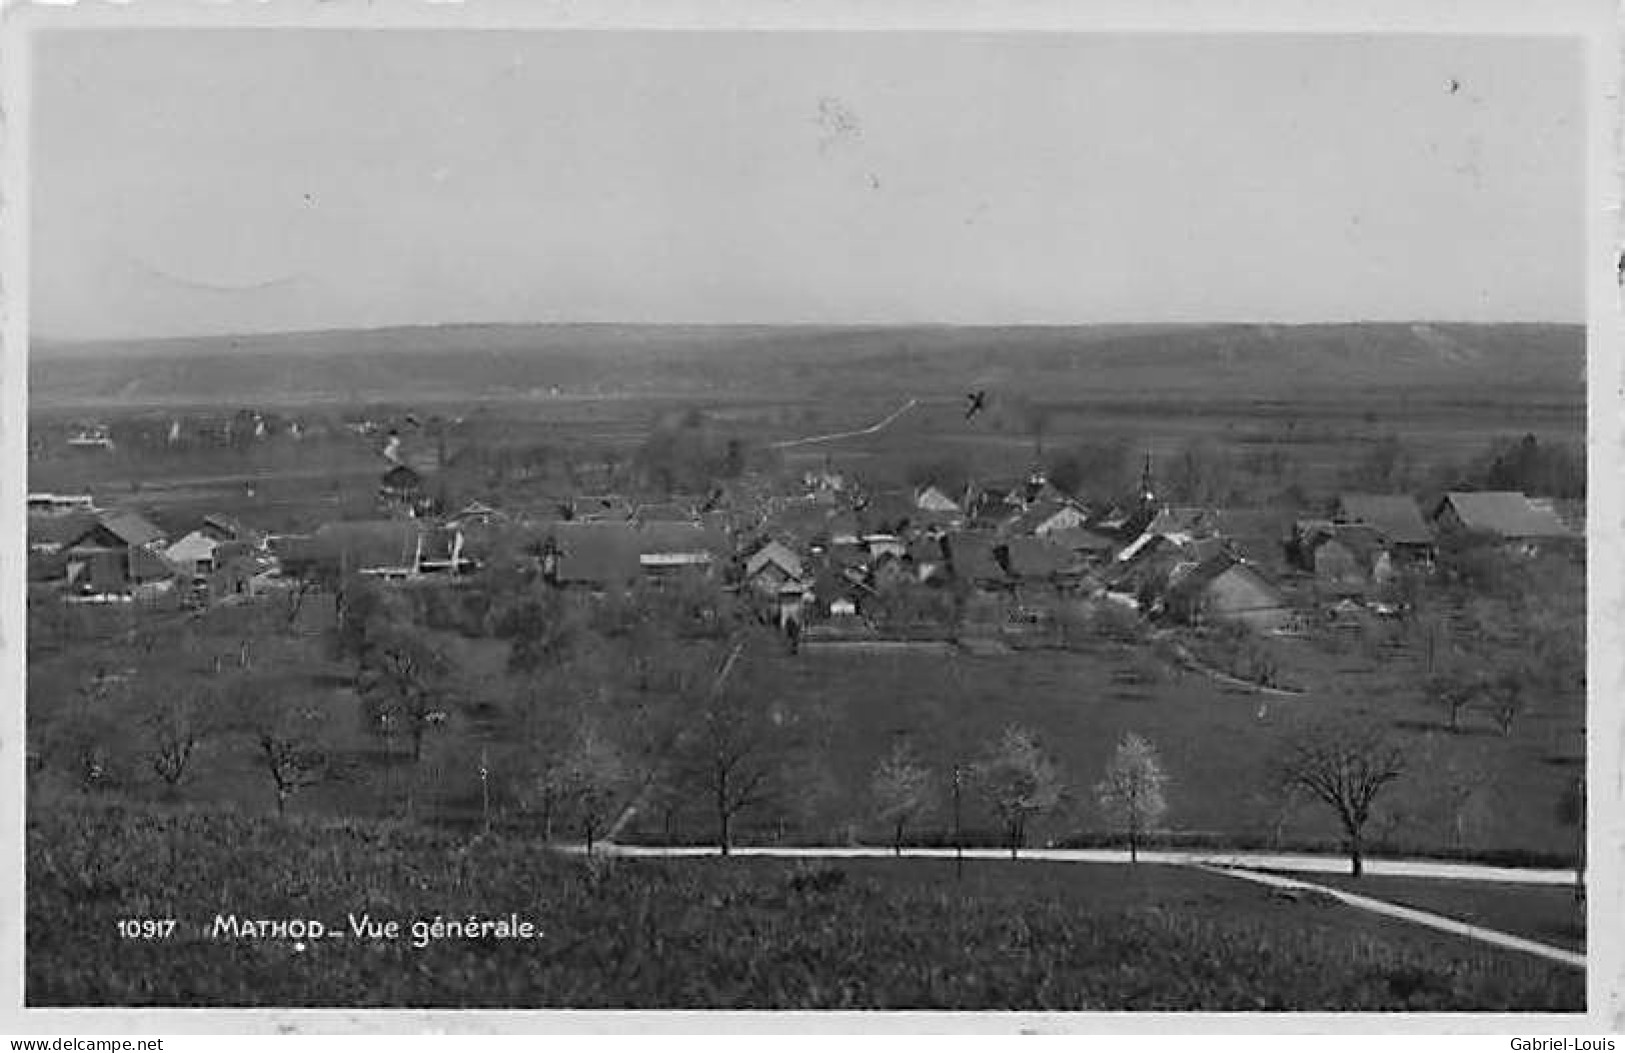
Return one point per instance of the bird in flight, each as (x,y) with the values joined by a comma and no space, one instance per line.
(976,403)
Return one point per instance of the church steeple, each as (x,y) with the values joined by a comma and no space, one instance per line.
(1148,490)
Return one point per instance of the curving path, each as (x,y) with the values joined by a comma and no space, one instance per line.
(1296,862)
(882,424)
(1410,914)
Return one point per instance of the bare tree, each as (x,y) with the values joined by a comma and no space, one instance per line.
(1133,795)
(286,732)
(738,745)
(403,685)
(1019,782)
(733,748)
(595,778)
(1453,689)
(174,721)
(1507,698)
(1344,765)
(902,790)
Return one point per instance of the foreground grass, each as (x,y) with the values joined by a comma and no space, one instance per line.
(703,933)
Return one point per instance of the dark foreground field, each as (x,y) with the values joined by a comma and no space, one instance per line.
(706,933)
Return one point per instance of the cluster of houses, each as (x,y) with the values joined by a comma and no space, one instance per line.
(97,555)
(831,557)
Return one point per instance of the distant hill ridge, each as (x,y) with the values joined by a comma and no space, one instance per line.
(467,361)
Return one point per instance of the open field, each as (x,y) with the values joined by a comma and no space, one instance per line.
(1310,397)
(703,933)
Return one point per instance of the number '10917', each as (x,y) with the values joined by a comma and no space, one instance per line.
(146,928)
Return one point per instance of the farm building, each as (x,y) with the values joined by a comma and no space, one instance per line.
(477,514)
(771,567)
(1045,517)
(1394,517)
(885,545)
(48,533)
(113,554)
(1344,556)
(932,499)
(193,555)
(47,504)
(223,528)
(1505,514)
(615,555)
(236,568)
(1225,589)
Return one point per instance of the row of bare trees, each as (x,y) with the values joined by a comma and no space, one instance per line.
(1019,782)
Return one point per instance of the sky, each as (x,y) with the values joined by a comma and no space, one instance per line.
(192,182)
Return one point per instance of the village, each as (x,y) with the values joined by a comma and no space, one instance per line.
(822,556)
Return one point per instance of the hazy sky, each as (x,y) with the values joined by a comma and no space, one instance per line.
(192,182)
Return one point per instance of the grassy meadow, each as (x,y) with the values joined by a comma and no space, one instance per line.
(698,934)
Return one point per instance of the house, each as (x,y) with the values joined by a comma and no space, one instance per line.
(833,594)
(48,532)
(48,504)
(236,569)
(932,499)
(1046,516)
(666,549)
(1571,512)
(193,555)
(771,567)
(1395,518)
(124,572)
(115,553)
(117,530)
(223,528)
(1504,514)
(994,505)
(477,513)
(880,545)
(1226,589)
(1344,556)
